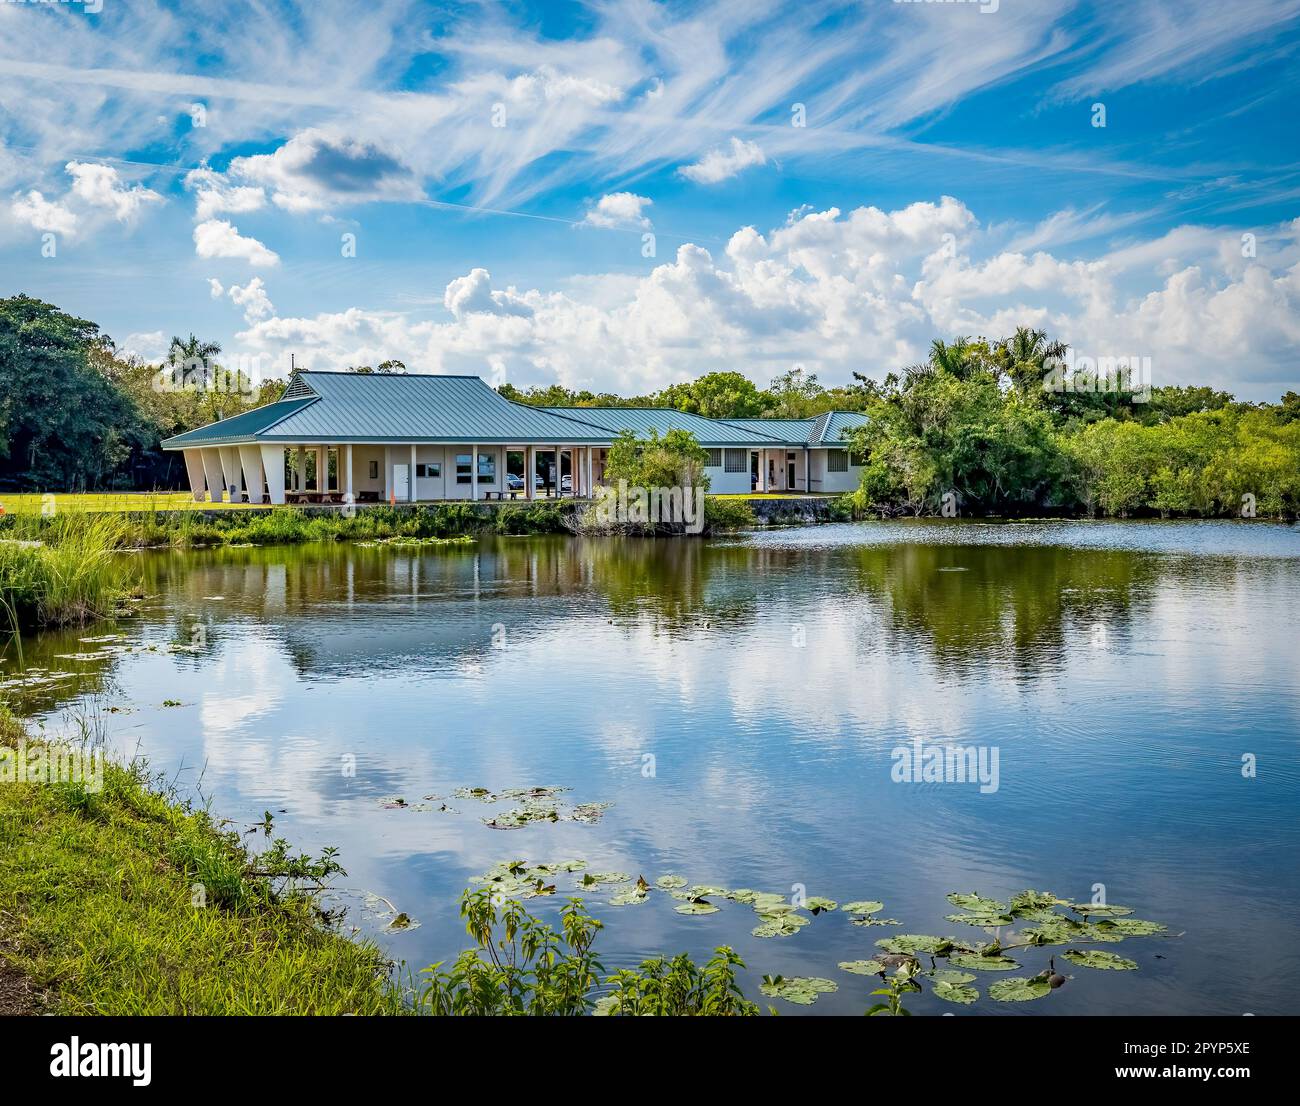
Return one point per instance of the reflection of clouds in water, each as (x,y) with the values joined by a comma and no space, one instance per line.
(772,762)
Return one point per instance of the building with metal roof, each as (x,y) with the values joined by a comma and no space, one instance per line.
(408,437)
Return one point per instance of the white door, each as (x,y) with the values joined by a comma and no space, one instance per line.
(402,481)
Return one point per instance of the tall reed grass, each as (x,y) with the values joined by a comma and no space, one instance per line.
(67,569)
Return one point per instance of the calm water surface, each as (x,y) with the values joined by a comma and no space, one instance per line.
(1121,671)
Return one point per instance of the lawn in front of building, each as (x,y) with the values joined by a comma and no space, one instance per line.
(33,503)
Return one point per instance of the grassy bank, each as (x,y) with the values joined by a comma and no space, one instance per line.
(290,526)
(98,894)
(69,574)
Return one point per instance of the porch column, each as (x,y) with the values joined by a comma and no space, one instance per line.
(807,470)
(230,471)
(194,470)
(473,473)
(300,470)
(410,487)
(591,471)
(322,468)
(557,472)
(250,460)
(347,466)
(273,463)
(530,471)
(212,473)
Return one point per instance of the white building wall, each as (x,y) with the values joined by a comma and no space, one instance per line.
(722,482)
(362,481)
(834,482)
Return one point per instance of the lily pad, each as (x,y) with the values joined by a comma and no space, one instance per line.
(1100,958)
(592,879)
(984,921)
(868,906)
(816,905)
(915,942)
(1058,930)
(633,896)
(779,925)
(1136,927)
(867,920)
(588,813)
(1095,910)
(668,883)
(862,967)
(697,907)
(947,975)
(977,904)
(481,793)
(983,963)
(954,992)
(1019,989)
(1035,900)
(798,989)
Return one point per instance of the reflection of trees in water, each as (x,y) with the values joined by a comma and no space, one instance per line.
(342,606)
(673,585)
(971,607)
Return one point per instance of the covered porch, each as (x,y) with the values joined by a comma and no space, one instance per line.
(410,472)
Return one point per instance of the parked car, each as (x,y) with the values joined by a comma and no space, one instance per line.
(514,483)
(566,483)
(537,480)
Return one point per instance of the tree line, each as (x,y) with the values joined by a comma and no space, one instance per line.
(77,415)
(980,427)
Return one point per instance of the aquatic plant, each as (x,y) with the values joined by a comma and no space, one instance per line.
(70,574)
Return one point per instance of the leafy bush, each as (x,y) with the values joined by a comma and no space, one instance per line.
(522,966)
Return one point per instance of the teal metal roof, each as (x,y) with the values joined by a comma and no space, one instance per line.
(832,426)
(333,408)
(822,430)
(393,408)
(785,431)
(641,420)
(244,427)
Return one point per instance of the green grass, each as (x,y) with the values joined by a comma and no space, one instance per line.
(290,525)
(70,572)
(34,503)
(96,908)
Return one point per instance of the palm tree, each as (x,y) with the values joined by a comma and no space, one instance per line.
(1025,356)
(187,354)
(960,359)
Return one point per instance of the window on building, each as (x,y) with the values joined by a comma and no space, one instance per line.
(374,470)
(487,468)
(431,471)
(715,459)
(735,461)
(464,468)
(837,460)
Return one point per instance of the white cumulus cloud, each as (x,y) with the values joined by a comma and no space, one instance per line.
(724,163)
(253,299)
(218,238)
(42,214)
(619,209)
(101,186)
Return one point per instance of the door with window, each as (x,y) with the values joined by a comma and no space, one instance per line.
(402,481)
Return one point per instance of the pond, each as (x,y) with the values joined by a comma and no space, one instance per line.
(744,706)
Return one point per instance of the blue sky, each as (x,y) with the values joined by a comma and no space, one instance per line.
(624,194)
